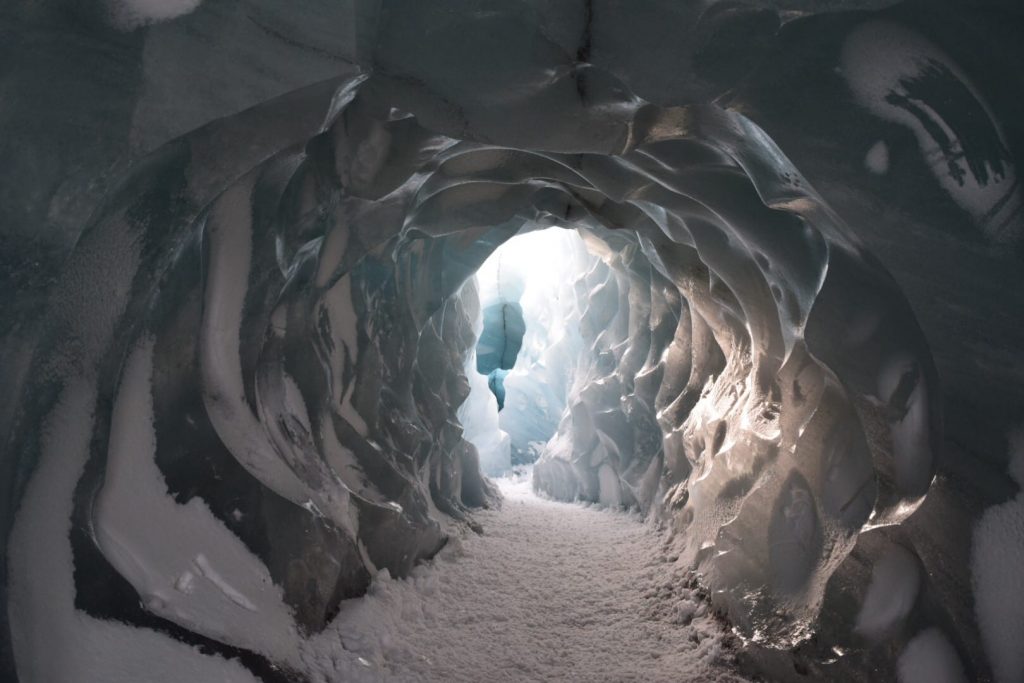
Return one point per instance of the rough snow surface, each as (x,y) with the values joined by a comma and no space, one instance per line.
(550,592)
(997,559)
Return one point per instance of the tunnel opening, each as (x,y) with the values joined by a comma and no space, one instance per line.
(503,321)
(535,272)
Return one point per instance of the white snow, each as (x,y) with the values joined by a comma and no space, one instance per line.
(930,658)
(186,565)
(877,158)
(52,640)
(131,14)
(997,562)
(550,592)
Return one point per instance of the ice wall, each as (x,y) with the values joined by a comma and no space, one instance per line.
(478,414)
(537,270)
(238,245)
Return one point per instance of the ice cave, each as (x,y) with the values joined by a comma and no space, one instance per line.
(511,340)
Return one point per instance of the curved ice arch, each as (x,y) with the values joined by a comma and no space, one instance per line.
(731,309)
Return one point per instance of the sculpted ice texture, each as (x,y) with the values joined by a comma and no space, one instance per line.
(538,269)
(240,369)
(478,414)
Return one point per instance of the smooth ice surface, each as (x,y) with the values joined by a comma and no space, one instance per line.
(930,658)
(891,595)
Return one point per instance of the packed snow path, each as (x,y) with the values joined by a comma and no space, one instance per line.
(550,592)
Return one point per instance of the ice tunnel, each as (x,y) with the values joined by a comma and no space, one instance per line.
(770,300)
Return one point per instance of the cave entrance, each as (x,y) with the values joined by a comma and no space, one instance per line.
(527,340)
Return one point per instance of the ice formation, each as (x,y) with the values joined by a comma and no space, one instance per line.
(478,414)
(244,252)
(538,270)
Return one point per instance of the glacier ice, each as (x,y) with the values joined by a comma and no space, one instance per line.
(478,414)
(537,270)
(774,308)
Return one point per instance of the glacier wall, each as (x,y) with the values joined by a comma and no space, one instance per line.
(538,270)
(240,314)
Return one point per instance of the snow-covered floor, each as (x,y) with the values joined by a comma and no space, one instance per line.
(550,592)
